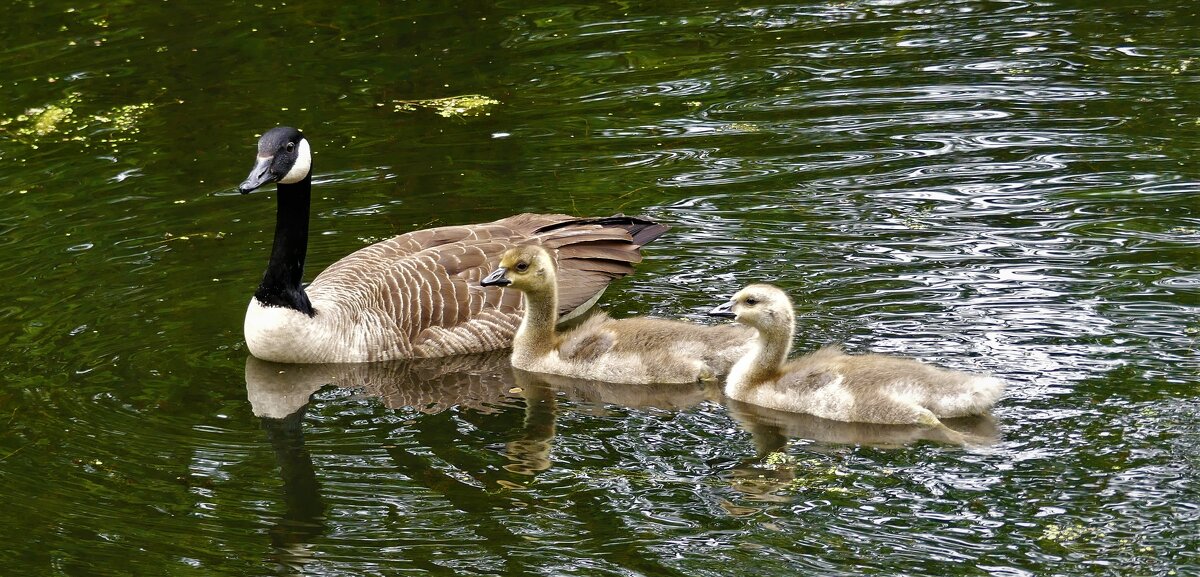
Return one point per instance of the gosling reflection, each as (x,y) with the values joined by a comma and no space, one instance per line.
(531,453)
(776,474)
(771,429)
(279,395)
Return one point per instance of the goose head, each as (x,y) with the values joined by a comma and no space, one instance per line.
(527,268)
(761,306)
(283,157)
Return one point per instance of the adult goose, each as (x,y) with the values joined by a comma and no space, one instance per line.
(636,350)
(415,295)
(833,385)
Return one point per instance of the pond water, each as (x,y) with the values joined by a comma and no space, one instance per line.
(996,186)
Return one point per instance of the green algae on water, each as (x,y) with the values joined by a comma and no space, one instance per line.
(781,476)
(451,106)
(44,120)
(60,121)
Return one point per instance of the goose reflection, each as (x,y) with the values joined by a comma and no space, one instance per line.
(479,382)
(303,518)
(279,395)
(531,452)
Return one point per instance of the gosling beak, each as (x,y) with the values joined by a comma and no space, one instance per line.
(259,175)
(723,311)
(497,278)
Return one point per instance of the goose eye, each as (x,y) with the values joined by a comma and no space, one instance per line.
(522,266)
(291,146)
(751,301)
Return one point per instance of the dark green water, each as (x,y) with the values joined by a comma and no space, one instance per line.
(994,186)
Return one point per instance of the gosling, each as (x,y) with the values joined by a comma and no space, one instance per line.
(833,385)
(636,350)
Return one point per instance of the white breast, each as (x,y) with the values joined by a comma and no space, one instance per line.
(286,335)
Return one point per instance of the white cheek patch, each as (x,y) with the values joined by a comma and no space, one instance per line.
(302,165)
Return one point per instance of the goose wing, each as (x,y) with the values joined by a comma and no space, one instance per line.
(419,292)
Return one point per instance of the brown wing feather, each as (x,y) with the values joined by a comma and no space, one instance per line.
(420,291)
(609,250)
(610,267)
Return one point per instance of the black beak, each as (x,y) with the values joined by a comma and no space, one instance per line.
(259,175)
(723,311)
(496,278)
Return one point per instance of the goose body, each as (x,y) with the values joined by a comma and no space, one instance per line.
(634,351)
(416,295)
(833,385)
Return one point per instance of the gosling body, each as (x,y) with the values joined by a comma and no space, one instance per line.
(633,351)
(830,384)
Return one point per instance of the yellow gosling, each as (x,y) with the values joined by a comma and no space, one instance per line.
(833,385)
(635,350)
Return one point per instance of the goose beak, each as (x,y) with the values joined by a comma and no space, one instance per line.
(723,311)
(496,278)
(259,175)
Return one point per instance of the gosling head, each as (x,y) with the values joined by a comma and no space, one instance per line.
(525,268)
(761,306)
(283,157)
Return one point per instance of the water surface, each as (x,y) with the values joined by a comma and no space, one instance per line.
(1006,187)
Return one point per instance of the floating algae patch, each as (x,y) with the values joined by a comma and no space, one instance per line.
(120,124)
(738,127)
(1120,546)
(41,121)
(1068,533)
(61,122)
(45,120)
(451,106)
(780,477)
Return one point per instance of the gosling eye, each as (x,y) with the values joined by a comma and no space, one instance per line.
(522,266)
(291,147)
(751,301)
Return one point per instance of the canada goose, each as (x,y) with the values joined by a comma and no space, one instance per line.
(634,351)
(414,295)
(833,385)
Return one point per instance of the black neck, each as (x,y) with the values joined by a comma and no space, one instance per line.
(281,283)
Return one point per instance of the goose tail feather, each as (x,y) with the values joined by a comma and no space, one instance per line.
(642,230)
